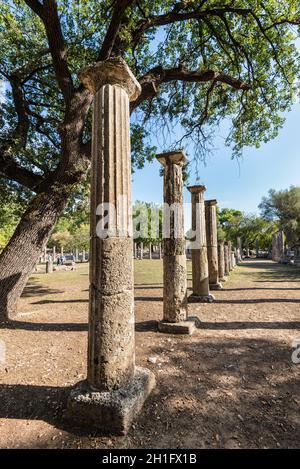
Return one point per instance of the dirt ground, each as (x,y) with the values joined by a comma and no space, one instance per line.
(230,385)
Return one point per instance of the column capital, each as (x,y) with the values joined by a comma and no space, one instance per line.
(113,71)
(211,202)
(173,157)
(196,189)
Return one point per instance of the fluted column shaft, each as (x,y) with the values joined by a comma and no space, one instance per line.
(200,275)
(111,317)
(212,243)
(221,262)
(226,259)
(239,249)
(230,255)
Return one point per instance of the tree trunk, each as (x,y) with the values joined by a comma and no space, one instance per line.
(20,256)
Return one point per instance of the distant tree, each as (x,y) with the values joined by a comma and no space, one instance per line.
(229,222)
(284,207)
(62,239)
(147,222)
(234,223)
(81,237)
(12,207)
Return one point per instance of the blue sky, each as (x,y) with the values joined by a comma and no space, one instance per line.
(242,184)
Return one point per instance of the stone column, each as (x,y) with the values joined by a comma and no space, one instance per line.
(247,250)
(280,243)
(76,255)
(150,251)
(226,259)
(221,262)
(134,250)
(274,247)
(83,256)
(54,253)
(235,252)
(277,254)
(159,251)
(49,267)
(239,249)
(45,254)
(212,244)
(141,250)
(115,389)
(200,274)
(233,263)
(230,255)
(174,261)
(257,248)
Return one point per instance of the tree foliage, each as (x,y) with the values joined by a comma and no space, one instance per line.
(198,62)
(147,222)
(11,208)
(250,228)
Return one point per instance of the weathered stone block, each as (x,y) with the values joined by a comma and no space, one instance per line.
(112,412)
(201,298)
(184,327)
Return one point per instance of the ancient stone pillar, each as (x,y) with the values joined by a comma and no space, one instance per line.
(54,253)
(239,249)
(134,250)
(247,250)
(150,251)
(212,244)
(233,262)
(76,255)
(159,251)
(141,250)
(49,267)
(200,275)
(115,389)
(235,252)
(221,262)
(45,254)
(174,260)
(226,259)
(230,255)
(280,246)
(83,256)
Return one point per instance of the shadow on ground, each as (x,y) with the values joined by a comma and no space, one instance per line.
(33,289)
(235,393)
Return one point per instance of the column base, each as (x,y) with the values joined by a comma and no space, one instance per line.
(215,286)
(201,298)
(183,327)
(224,279)
(111,413)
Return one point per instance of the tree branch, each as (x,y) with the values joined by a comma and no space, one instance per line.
(114,27)
(21,131)
(10,169)
(284,21)
(158,75)
(49,15)
(177,15)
